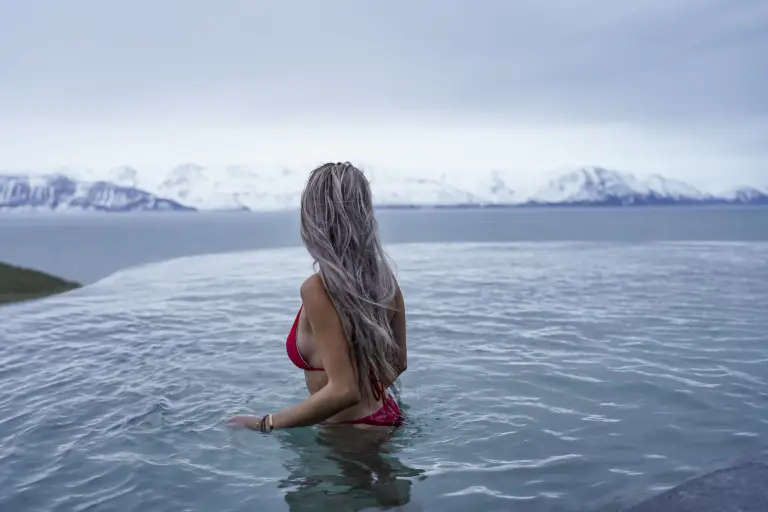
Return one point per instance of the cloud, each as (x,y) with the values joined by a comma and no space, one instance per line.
(682,73)
(593,59)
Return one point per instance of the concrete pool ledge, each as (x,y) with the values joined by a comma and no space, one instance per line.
(740,487)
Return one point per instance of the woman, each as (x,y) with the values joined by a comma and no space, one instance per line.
(349,333)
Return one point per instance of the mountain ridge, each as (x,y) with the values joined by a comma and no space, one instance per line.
(58,192)
(192,186)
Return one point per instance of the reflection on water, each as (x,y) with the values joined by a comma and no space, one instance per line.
(345,468)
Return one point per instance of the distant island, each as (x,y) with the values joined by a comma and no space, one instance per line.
(18,284)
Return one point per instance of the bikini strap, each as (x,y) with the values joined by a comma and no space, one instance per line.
(294,328)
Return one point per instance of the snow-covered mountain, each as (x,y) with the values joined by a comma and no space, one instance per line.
(260,188)
(397,189)
(264,188)
(746,195)
(248,187)
(56,192)
(235,187)
(595,185)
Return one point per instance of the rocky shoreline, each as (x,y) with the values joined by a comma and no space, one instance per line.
(19,284)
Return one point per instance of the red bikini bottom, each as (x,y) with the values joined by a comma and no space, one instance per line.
(389,415)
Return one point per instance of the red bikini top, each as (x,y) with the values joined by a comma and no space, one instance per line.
(294,355)
(292,348)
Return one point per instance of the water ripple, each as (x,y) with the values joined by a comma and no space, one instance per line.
(558,375)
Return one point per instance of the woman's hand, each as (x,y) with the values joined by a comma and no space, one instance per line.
(244,421)
(262,424)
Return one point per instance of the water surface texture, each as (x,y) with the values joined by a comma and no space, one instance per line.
(86,248)
(564,376)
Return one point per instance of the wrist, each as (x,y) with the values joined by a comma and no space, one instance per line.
(264,423)
(252,423)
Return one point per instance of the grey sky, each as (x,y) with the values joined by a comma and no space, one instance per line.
(657,64)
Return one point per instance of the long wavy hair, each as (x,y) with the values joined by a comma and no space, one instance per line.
(340,231)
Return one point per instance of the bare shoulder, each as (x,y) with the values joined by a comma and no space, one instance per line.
(399,300)
(312,284)
(314,295)
(324,320)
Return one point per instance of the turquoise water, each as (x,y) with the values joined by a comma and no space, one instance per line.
(542,376)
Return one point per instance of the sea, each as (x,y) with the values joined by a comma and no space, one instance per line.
(564,359)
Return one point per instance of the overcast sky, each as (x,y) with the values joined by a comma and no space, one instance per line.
(671,86)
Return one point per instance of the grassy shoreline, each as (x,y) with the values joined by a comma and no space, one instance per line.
(19,284)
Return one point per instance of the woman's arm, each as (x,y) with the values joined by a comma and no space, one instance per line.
(342,391)
(398,327)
